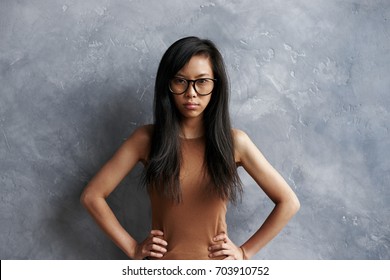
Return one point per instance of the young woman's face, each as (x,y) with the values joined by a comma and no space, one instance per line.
(190,104)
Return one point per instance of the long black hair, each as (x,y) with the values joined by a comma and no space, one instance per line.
(163,167)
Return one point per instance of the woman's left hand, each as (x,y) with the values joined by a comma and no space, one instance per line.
(227,248)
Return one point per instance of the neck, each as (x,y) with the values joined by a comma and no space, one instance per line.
(191,128)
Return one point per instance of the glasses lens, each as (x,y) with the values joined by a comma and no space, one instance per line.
(204,86)
(178,85)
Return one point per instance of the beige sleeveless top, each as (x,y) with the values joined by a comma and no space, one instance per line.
(189,226)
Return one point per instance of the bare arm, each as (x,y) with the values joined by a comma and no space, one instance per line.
(133,150)
(275,187)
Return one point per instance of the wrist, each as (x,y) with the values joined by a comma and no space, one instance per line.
(244,256)
(131,251)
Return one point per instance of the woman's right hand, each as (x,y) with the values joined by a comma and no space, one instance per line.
(153,246)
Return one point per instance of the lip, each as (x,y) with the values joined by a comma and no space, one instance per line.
(191,106)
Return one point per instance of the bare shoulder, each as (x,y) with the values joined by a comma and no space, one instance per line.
(242,143)
(240,138)
(143,133)
(139,141)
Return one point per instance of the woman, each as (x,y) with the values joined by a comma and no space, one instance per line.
(190,155)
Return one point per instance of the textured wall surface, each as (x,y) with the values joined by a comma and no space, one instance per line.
(310,84)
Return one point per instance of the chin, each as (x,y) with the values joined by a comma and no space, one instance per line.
(191,114)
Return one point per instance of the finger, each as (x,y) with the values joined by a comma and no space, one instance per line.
(157,248)
(153,250)
(219,247)
(215,248)
(156,232)
(159,240)
(229,258)
(221,237)
(155,254)
(219,253)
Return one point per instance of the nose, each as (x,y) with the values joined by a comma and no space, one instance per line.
(190,92)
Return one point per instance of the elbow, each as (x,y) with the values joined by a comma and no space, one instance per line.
(91,198)
(86,199)
(83,198)
(295,205)
(290,204)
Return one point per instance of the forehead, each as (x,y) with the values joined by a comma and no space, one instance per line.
(198,65)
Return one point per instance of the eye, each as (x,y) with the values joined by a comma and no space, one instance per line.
(202,81)
(179,81)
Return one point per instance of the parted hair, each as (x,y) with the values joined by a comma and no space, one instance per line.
(163,167)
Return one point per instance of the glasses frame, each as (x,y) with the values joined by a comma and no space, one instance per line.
(193,85)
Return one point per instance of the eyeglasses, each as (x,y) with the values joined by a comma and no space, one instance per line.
(202,86)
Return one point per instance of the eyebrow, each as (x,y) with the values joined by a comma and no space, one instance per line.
(198,76)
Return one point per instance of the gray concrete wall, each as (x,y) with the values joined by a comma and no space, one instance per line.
(310,84)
